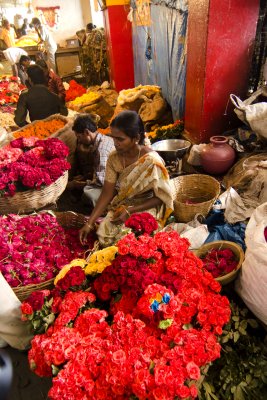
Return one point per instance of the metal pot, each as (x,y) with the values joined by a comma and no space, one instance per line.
(171,149)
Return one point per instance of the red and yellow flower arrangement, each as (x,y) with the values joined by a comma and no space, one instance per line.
(166,313)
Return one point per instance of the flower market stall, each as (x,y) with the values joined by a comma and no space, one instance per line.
(153,316)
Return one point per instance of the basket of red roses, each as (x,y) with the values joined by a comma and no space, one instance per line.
(33,174)
(222,259)
(40,245)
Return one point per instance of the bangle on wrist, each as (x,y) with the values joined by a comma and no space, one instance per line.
(90,225)
(127,212)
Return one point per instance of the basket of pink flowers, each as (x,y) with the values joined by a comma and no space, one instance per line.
(33,174)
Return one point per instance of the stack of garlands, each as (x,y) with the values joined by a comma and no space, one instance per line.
(31,164)
(41,129)
(171,131)
(10,89)
(74,90)
(166,313)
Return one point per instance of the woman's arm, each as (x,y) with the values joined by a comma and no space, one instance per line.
(107,194)
(146,205)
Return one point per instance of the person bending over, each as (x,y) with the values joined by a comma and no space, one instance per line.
(136,180)
(38,100)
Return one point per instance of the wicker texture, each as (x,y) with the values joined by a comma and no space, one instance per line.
(67,219)
(221,245)
(31,200)
(202,190)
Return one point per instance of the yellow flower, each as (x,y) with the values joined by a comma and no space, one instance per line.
(86,98)
(99,260)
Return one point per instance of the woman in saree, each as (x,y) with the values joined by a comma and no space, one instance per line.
(136,180)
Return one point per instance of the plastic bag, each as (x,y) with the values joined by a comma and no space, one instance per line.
(252,282)
(12,330)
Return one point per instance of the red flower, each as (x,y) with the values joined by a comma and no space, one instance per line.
(26,308)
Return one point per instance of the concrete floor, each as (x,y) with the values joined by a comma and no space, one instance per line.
(26,385)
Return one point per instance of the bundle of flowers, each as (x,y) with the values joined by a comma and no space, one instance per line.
(74,90)
(171,131)
(85,99)
(34,248)
(40,129)
(29,163)
(167,315)
(220,262)
(10,89)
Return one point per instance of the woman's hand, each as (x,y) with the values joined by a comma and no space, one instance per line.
(84,231)
(120,217)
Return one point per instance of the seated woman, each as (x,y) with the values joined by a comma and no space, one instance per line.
(135,181)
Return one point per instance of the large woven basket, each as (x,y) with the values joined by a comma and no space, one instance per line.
(67,219)
(201,190)
(221,245)
(31,200)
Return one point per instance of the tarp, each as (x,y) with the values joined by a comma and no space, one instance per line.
(167,66)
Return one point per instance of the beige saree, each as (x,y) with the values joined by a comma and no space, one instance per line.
(145,178)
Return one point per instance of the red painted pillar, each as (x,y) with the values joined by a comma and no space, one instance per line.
(119,43)
(220,43)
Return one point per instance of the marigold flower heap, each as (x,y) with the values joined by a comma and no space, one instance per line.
(167,315)
(40,129)
(34,248)
(29,163)
(74,90)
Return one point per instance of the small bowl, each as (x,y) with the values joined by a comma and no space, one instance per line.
(223,244)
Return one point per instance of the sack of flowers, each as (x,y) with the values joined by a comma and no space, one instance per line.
(154,338)
(33,173)
(222,259)
(34,248)
(85,100)
(42,129)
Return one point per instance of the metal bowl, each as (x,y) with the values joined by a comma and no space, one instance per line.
(171,149)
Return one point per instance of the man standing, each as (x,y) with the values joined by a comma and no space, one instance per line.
(8,34)
(91,156)
(48,42)
(38,100)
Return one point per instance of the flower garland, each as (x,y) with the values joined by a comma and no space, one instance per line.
(34,248)
(40,129)
(167,316)
(29,163)
(171,131)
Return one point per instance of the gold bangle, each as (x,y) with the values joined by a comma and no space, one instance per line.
(127,212)
(90,225)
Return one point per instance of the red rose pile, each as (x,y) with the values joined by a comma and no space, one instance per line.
(142,223)
(161,329)
(220,262)
(29,163)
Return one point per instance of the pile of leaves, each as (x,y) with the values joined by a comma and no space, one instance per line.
(241,371)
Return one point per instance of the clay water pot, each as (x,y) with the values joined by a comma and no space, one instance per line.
(217,156)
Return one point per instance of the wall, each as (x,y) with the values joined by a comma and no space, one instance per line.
(73,14)
(218,63)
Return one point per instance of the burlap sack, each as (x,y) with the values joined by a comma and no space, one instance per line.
(153,110)
(103,109)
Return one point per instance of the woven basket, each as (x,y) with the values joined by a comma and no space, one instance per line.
(223,244)
(202,190)
(67,219)
(31,200)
